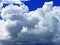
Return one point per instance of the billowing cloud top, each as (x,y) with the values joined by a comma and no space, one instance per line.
(20,26)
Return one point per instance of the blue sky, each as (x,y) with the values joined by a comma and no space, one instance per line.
(34,4)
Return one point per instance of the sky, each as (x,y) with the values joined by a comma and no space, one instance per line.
(34,4)
(31,22)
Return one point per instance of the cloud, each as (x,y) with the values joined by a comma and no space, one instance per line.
(4,34)
(21,26)
(13,1)
(1,5)
(12,12)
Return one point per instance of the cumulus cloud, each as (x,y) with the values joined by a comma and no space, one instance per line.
(12,12)
(21,26)
(4,34)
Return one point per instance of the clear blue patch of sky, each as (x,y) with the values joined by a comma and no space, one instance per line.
(34,4)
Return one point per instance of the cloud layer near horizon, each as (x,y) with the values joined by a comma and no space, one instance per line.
(21,26)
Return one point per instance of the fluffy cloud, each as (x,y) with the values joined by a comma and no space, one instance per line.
(12,12)
(19,26)
(13,1)
(1,5)
(4,34)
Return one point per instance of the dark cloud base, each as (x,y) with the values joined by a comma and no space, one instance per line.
(15,42)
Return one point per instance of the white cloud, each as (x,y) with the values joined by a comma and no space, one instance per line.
(13,12)
(4,34)
(48,6)
(13,1)
(24,29)
(1,5)
(39,26)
